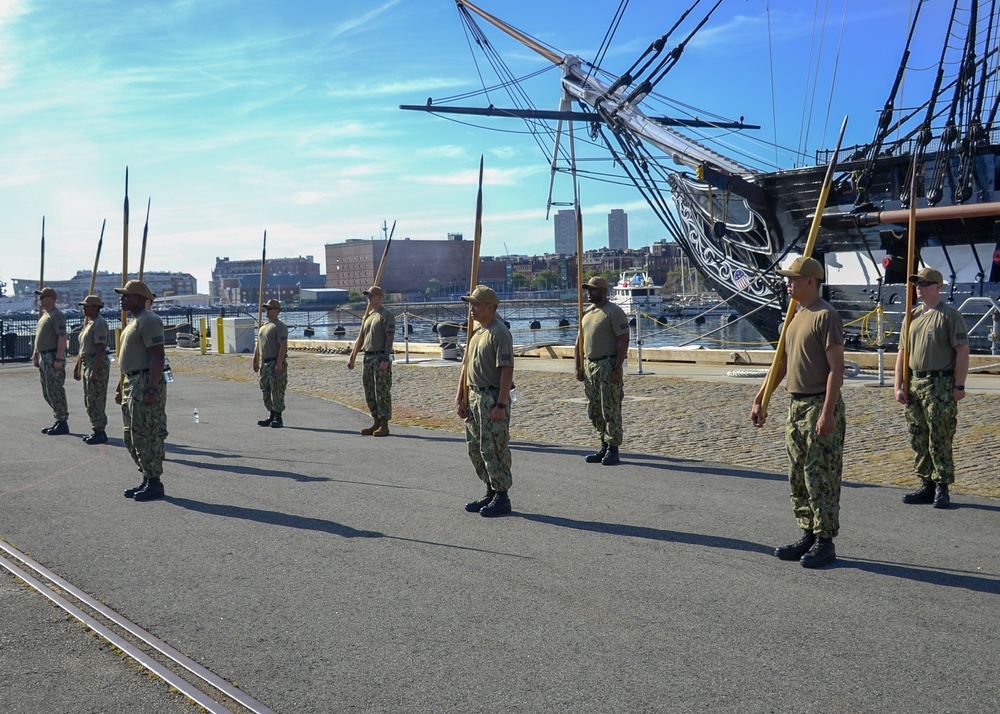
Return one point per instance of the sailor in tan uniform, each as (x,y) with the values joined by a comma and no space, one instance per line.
(49,357)
(95,367)
(377,332)
(271,361)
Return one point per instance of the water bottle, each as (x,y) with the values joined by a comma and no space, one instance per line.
(168,376)
(196,415)
(513,395)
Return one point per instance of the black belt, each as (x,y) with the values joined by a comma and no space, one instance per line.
(474,388)
(270,359)
(798,396)
(135,372)
(601,359)
(934,373)
(374,352)
(45,352)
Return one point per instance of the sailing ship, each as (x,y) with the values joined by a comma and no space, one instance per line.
(738,224)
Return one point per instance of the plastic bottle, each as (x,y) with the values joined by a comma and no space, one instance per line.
(513,395)
(196,415)
(168,376)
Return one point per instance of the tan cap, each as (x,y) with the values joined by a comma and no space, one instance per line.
(483,294)
(596,282)
(273,303)
(930,275)
(92,300)
(375,290)
(803,267)
(46,292)
(136,287)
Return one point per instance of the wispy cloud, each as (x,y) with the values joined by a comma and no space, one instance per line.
(355,23)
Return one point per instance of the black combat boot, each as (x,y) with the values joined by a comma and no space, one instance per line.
(47,429)
(266,422)
(476,506)
(941,497)
(794,551)
(598,456)
(822,553)
(153,490)
(98,437)
(924,494)
(497,507)
(60,428)
(611,458)
(130,492)
(276,422)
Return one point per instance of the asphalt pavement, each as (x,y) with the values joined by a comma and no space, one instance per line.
(323,571)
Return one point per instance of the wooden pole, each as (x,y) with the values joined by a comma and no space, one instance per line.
(474,277)
(378,278)
(779,350)
(145,235)
(41,264)
(260,295)
(911,258)
(578,349)
(124,251)
(93,283)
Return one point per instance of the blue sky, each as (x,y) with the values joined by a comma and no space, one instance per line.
(236,116)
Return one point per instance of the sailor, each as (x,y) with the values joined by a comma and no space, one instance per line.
(142,393)
(937,355)
(483,401)
(814,434)
(604,334)
(94,368)
(377,333)
(49,357)
(271,361)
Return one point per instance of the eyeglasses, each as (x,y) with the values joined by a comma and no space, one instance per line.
(925,283)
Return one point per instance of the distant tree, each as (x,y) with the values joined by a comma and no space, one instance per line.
(546,280)
(433,289)
(519,281)
(355,296)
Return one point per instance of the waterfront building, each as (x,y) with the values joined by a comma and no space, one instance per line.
(74,290)
(237,282)
(617,229)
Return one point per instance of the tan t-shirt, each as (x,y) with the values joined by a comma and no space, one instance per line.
(139,335)
(813,330)
(94,333)
(270,338)
(51,326)
(601,327)
(377,326)
(934,333)
(490,348)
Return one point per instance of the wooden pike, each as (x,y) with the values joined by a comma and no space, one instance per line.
(93,283)
(260,294)
(779,350)
(378,278)
(145,235)
(124,250)
(474,278)
(911,257)
(41,264)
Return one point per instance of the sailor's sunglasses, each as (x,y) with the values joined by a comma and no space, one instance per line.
(925,283)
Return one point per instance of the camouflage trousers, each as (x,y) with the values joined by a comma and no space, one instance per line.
(604,400)
(378,386)
(932,416)
(273,385)
(95,394)
(489,441)
(816,465)
(145,426)
(53,385)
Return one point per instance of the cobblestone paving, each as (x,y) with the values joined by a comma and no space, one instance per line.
(683,418)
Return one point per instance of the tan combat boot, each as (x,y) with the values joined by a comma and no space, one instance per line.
(383,429)
(368,431)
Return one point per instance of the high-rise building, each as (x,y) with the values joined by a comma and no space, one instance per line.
(564,225)
(617,229)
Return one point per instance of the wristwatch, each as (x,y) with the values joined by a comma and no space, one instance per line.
(960,387)
(151,390)
(501,405)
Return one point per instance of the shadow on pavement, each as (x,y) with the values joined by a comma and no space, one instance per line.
(274,518)
(947,578)
(249,470)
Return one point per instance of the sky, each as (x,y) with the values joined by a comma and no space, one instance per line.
(240,116)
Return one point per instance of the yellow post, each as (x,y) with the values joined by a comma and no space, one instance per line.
(203,336)
(220,346)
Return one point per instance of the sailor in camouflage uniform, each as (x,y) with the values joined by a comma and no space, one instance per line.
(482,400)
(271,360)
(937,355)
(604,335)
(377,333)
(142,393)
(94,368)
(49,357)
(814,434)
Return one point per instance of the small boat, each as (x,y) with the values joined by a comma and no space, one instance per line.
(635,291)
